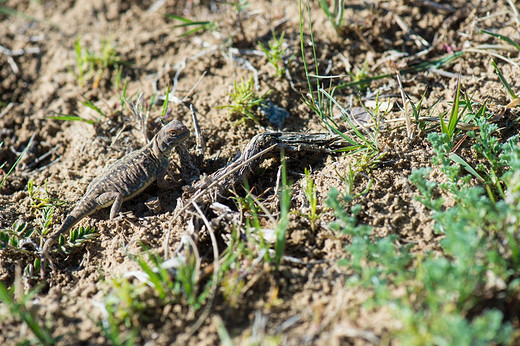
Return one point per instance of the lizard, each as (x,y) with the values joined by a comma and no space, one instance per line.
(126,178)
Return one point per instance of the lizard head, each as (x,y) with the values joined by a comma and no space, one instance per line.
(170,135)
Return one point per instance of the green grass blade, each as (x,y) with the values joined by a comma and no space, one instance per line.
(16,162)
(182,19)
(69,117)
(19,309)
(503,80)
(285,201)
(454,114)
(201,24)
(15,13)
(92,106)
(154,278)
(192,31)
(502,37)
(456,158)
(165,103)
(325,7)
(354,128)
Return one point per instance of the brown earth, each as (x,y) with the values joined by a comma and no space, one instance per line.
(307,301)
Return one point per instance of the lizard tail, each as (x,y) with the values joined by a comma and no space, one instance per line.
(81,210)
(65,227)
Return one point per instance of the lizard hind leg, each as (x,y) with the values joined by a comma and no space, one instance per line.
(114,198)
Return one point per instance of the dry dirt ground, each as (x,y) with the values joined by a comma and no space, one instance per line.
(304,301)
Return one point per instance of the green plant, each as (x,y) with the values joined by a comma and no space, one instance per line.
(20,307)
(197,26)
(360,138)
(10,12)
(502,37)
(275,53)
(71,117)
(455,116)
(335,14)
(446,293)
(40,197)
(238,259)
(125,306)
(245,101)
(110,328)
(515,100)
(92,64)
(129,303)
(14,235)
(417,109)
(312,199)
(187,282)
(360,78)
(441,291)
(15,163)
(74,117)
(490,148)
(283,222)
(77,237)
(322,102)
(45,208)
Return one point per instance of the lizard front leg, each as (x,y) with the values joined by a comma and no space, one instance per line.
(162,182)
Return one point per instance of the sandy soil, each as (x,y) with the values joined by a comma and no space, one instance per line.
(307,301)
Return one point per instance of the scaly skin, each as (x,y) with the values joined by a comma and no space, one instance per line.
(126,178)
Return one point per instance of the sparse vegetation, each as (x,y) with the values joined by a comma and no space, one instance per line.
(92,65)
(450,284)
(18,305)
(401,227)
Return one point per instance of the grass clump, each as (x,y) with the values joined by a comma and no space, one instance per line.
(90,64)
(245,101)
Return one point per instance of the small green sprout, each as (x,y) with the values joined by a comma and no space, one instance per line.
(245,101)
(514,96)
(196,26)
(40,197)
(92,64)
(275,53)
(281,227)
(4,178)
(360,77)
(455,116)
(13,236)
(311,194)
